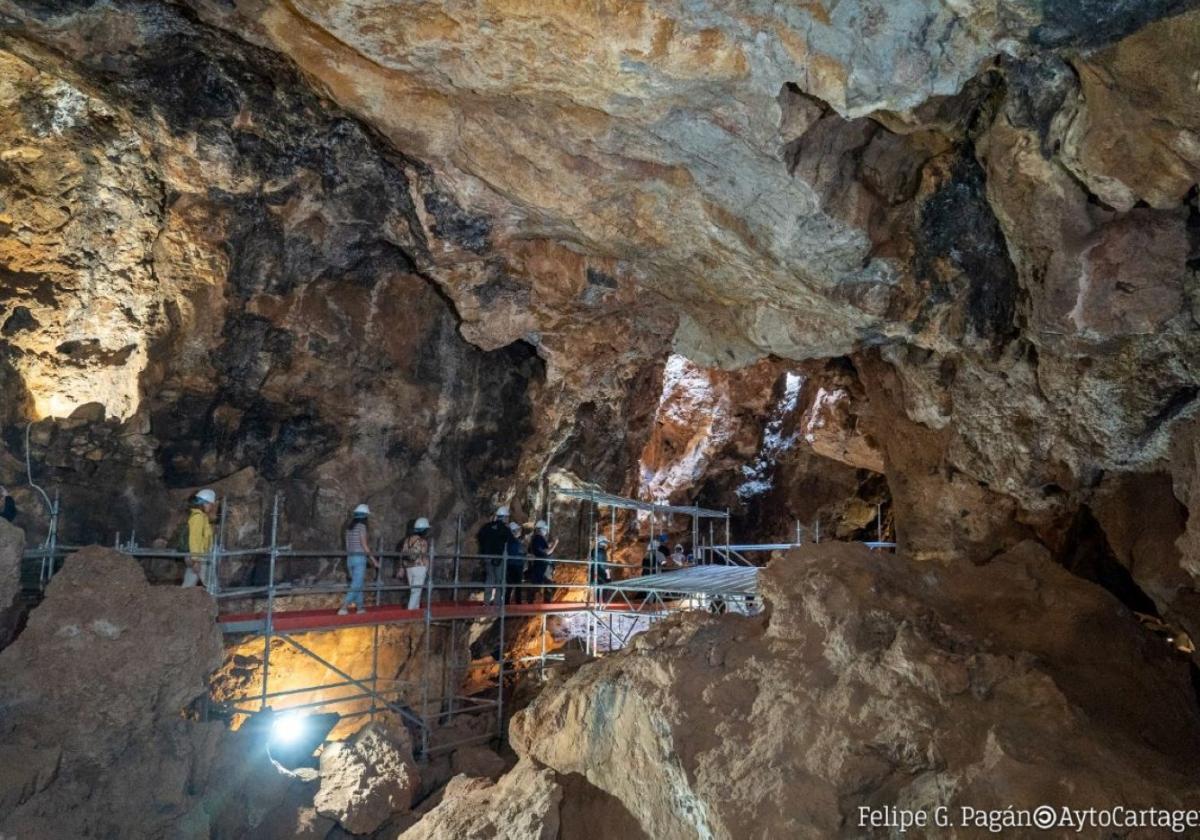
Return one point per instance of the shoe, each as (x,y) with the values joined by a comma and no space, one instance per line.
(343,611)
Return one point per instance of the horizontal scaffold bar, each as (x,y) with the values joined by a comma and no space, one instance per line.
(623,503)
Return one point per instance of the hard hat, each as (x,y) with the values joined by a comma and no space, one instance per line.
(602,541)
(662,537)
(515,528)
(362,511)
(422,524)
(206,496)
(541,525)
(502,511)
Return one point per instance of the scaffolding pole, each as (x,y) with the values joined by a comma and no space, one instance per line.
(270,600)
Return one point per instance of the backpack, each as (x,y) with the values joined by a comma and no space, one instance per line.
(181,541)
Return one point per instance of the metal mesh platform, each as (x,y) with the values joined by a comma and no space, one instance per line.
(697,580)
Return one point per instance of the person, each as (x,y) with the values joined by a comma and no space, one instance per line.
(414,557)
(514,564)
(598,568)
(199,536)
(357,534)
(8,505)
(493,538)
(679,557)
(542,549)
(656,556)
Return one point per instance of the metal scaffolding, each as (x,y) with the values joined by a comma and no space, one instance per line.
(611,612)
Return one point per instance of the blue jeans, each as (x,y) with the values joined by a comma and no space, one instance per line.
(358,574)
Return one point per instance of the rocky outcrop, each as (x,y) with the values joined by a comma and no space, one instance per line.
(868,684)
(93,693)
(523,805)
(367,779)
(12,544)
(98,733)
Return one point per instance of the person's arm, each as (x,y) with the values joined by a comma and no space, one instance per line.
(550,549)
(366,543)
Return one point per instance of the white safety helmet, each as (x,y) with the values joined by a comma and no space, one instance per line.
(515,527)
(502,512)
(602,541)
(361,512)
(541,525)
(422,524)
(206,496)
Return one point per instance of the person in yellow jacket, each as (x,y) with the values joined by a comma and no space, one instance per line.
(199,536)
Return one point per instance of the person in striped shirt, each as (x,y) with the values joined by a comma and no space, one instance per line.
(358,551)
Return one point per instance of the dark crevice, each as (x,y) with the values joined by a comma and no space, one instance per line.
(1087,554)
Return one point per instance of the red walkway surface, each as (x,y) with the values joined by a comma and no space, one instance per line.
(294,621)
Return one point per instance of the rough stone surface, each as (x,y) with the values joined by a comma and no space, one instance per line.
(96,685)
(874,681)
(523,805)
(12,544)
(367,779)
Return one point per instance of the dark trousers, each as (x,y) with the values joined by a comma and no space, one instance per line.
(512,577)
(538,574)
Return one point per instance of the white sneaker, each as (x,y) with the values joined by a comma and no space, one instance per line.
(343,611)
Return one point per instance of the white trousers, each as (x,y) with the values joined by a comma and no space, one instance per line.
(416,582)
(204,578)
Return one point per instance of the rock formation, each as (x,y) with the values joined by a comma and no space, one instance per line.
(367,779)
(12,543)
(93,693)
(523,805)
(869,682)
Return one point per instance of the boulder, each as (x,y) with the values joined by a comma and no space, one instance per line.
(367,779)
(95,688)
(523,805)
(875,681)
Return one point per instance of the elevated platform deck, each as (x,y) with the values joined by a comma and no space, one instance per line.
(301,621)
(695,580)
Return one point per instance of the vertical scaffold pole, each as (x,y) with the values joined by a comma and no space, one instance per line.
(48,563)
(425,675)
(270,621)
(542,673)
(458,525)
(695,537)
(500,658)
(728,540)
(593,568)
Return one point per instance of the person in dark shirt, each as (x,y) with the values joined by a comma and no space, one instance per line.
(8,507)
(493,539)
(542,549)
(514,564)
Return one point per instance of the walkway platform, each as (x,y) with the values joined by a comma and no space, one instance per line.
(696,580)
(300,621)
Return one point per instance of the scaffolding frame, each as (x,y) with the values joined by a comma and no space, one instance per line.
(614,612)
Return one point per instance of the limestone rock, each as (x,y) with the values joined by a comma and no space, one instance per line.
(367,779)
(101,674)
(12,544)
(523,805)
(874,681)
(478,762)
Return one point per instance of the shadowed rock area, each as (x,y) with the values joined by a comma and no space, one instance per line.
(873,680)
